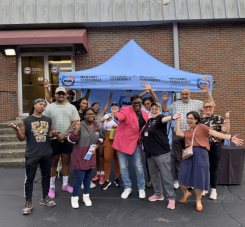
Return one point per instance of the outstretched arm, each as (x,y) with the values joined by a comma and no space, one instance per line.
(153,95)
(233,139)
(86,96)
(20,131)
(47,95)
(107,103)
(169,118)
(178,132)
(205,90)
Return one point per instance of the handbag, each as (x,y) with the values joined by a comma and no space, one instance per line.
(188,152)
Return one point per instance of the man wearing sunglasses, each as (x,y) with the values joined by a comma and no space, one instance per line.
(63,116)
(127,143)
(183,106)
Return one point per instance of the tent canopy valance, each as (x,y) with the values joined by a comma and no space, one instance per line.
(128,69)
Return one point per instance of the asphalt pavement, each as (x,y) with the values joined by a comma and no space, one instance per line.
(109,209)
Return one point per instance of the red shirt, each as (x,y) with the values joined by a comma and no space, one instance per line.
(201,137)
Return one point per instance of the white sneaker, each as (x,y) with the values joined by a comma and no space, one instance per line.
(176,184)
(213,195)
(87,200)
(92,185)
(142,194)
(74,202)
(204,192)
(126,193)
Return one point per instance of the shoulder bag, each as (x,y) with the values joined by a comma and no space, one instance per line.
(188,152)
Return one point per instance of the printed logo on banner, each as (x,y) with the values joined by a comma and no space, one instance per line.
(123,102)
(27,70)
(201,81)
(54,69)
(68,80)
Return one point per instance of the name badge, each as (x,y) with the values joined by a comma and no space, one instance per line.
(146,134)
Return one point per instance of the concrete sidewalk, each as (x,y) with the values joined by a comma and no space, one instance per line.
(110,210)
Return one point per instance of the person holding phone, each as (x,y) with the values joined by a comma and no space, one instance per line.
(108,122)
(36,129)
(84,135)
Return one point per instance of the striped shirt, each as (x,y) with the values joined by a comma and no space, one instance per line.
(62,115)
(184,108)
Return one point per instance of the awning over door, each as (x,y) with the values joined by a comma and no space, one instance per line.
(30,37)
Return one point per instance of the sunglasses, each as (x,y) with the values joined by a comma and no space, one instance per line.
(61,94)
(136,103)
(208,107)
(114,106)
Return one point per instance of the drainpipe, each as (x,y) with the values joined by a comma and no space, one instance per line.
(176,49)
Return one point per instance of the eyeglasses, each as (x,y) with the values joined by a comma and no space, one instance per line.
(208,107)
(136,103)
(61,94)
(92,114)
(184,94)
(188,118)
(147,104)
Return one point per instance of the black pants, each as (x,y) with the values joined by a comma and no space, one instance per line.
(214,157)
(178,145)
(31,164)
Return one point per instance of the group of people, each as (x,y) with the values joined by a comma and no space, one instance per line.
(64,127)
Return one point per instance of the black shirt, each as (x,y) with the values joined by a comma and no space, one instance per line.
(141,121)
(37,136)
(81,116)
(156,143)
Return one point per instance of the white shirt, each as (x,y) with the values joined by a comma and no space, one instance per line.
(184,108)
(107,125)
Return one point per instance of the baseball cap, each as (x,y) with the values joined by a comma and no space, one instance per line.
(60,89)
(114,104)
(70,92)
(156,104)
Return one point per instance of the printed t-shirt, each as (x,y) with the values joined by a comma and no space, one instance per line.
(37,136)
(201,137)
(215,122)
(156,143)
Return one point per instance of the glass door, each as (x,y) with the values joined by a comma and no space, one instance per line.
(34,69)
(56,64)
(32,78)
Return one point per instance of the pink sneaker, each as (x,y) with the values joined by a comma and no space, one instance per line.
(51,193)
(171,204)
(67,188)
(97,177)
(155,198)
(102,179)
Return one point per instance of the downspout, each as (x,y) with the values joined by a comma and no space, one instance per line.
(176,49)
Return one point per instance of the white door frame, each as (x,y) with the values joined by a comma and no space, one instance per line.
(46,72)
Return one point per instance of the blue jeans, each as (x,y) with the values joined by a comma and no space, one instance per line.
(82,176)
(138,166)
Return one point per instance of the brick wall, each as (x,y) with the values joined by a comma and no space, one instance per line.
(8,82)
(218,49)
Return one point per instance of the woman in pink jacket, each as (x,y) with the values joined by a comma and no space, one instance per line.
(126,141)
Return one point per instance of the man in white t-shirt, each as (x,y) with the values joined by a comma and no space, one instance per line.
(183,106)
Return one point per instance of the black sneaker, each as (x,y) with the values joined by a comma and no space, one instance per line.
(117,182)
(27,209)
(105,185)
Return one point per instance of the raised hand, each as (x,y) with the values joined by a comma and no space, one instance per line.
(165,96)
(147,86)
(111,92)
(15,127)
(177,116)
(235,140)
(205,88)
(46,84)
(78,124)
(227,115)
